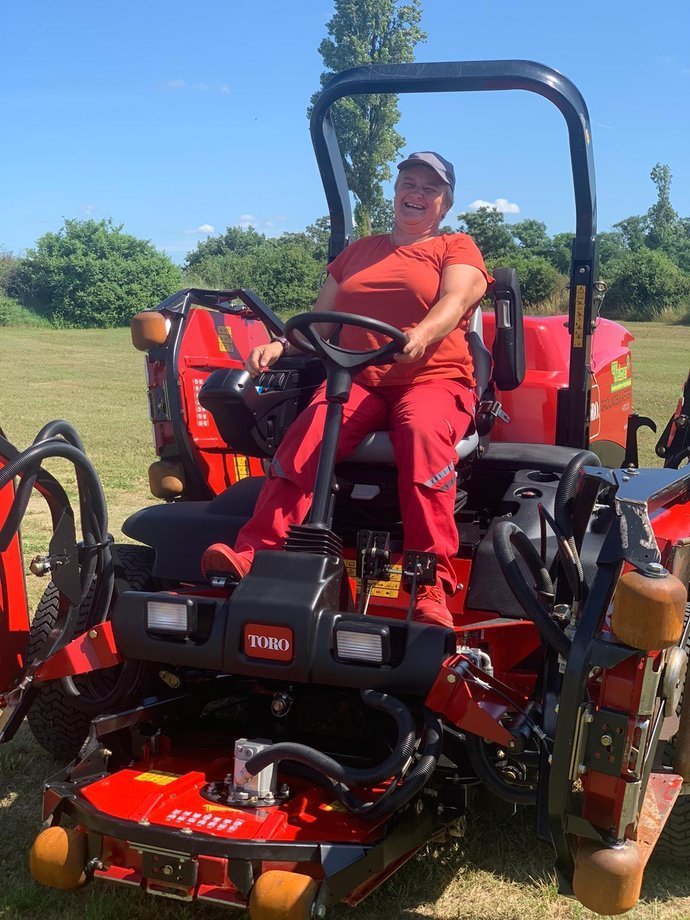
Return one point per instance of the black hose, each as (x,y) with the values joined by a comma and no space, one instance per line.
(485,770)
(563,511)
(400,791)
(505,537)
(351,776)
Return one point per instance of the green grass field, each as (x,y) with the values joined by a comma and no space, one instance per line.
(95,380)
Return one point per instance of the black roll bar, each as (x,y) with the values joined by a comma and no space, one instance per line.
(480,76)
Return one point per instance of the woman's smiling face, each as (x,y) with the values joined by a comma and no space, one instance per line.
(420,200)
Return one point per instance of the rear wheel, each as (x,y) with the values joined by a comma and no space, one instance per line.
(58,725)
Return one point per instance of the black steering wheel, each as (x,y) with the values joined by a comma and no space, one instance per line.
(312,343)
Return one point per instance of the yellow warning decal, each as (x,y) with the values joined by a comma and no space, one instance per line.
(579,319)
(225,339)
(216,808)
(390,588)
(333,806)
(621,376)
(242,467)
(156,776)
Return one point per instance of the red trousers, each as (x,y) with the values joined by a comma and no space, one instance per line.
(425,422)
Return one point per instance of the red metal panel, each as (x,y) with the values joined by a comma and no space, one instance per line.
(14,608)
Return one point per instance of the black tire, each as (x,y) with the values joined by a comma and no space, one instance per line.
(55,722)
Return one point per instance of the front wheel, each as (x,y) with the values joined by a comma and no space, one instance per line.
(56,722)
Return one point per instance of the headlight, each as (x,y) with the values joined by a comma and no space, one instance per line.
(171,617)
(365,642)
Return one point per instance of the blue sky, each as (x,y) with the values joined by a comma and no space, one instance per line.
(173,118)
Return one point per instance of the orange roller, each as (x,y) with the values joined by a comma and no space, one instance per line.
(649,609)
(607,880)
(166,478)
(149,329)
(58,858)
(279,895)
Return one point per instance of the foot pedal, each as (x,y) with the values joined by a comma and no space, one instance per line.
(418,569)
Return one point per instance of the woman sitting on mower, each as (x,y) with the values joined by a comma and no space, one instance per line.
(427,284)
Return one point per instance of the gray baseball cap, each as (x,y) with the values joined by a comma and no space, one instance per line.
(441,166)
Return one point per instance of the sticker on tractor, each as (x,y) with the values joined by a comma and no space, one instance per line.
(201,413)
(158,777)
(242,467)
(390,588)
(595,410)
(207,822)
(621,376)
(225,342)
(579,318)
(213,809)
(333,806)
(265,641)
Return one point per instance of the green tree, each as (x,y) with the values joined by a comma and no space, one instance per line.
(662,218)
(239,240)
(633,230)
(90,273)
(284,272)
(369,32)
(532,237)
(645,284)
(560,252)
(488,229)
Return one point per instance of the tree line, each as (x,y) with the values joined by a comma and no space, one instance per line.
(92,273)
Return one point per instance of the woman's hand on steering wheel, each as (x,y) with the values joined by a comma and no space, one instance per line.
(417,344)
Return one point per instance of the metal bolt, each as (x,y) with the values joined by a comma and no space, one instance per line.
(500,754)
(606,740)
(581,271)
(451,678)
(106,752)
(581,769)
(626,478)
(144,822)
(167,870)
(187,830)
(511,744)
(419,807)
(320,912)
(243,796)
(550,758)
(655,570)
(93,634)
(556,708)
(589,716)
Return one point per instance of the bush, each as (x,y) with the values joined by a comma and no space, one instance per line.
(14,314)
(645,285)
(539,280)
(90,274)
(283,272)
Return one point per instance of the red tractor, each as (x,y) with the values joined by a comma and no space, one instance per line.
(286,743)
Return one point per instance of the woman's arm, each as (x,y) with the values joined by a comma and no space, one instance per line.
(462,286)
(263,356)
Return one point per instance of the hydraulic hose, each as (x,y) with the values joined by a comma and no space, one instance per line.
(60,439)
(485,770)
(400,791)
(350,776)
(565,493)
(506,536)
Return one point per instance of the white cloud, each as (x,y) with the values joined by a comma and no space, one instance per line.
(175,84)
(89,209)
(501,204)
(268,223)
(202,228)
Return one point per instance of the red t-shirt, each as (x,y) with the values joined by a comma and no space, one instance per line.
(399,285)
